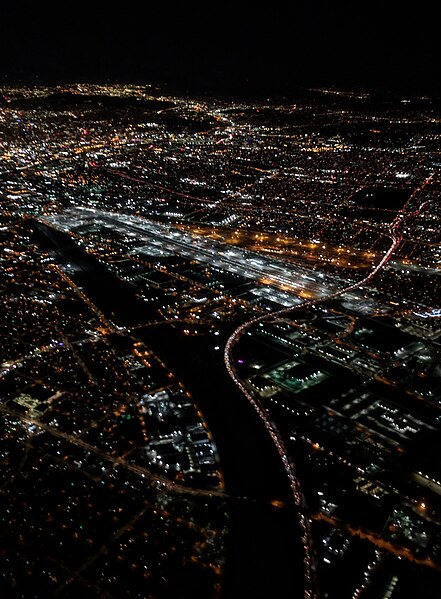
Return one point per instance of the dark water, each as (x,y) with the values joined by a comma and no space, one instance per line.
(265,558)
(264,555)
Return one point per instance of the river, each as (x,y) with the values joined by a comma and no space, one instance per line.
(264,552)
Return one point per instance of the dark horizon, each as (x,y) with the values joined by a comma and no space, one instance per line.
(215,49)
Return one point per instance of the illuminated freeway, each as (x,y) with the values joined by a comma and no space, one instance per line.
(395,233)
(285,276)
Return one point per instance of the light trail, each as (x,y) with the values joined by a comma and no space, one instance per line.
(396,237)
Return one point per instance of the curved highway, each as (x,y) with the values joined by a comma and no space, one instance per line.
(396,239)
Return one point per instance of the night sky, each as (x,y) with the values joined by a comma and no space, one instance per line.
(218,46)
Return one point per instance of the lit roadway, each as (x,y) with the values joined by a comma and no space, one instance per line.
(395,233)
(156,480)
(254,266)
(161,482)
